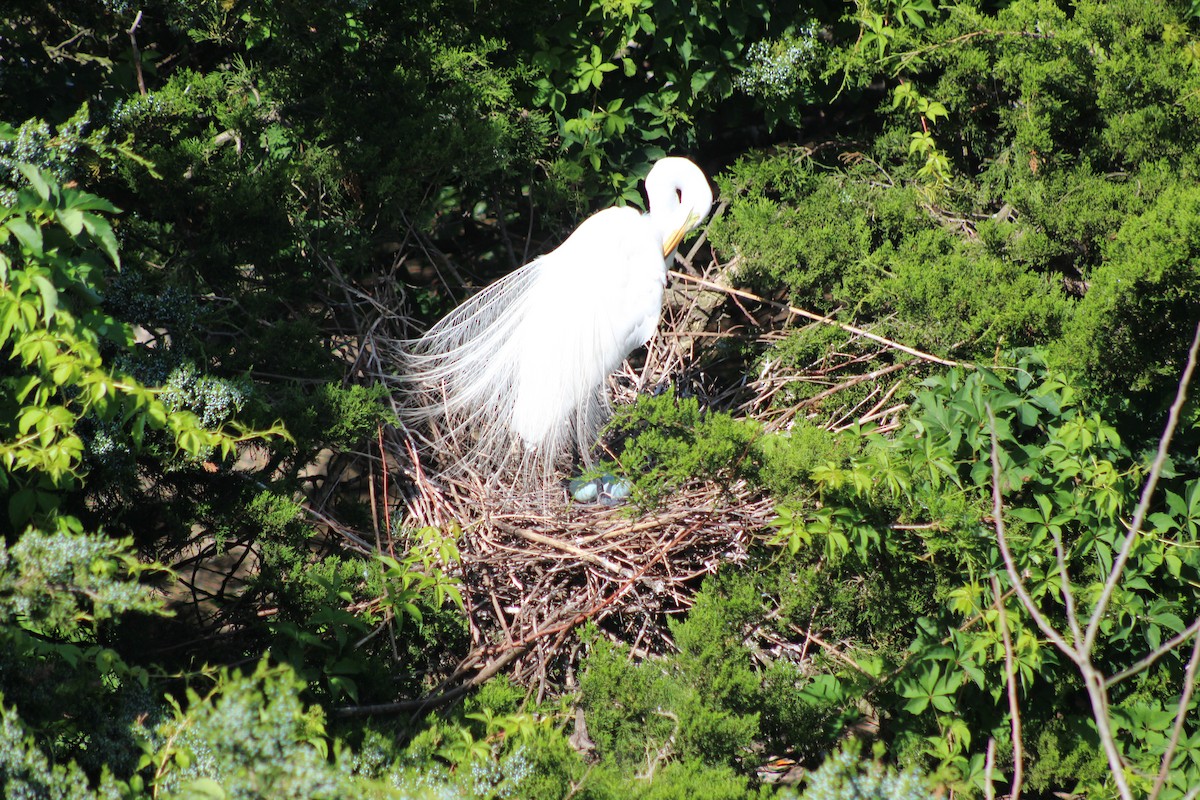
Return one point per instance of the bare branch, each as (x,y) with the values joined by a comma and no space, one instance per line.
(1154,655)
(137,54)
(1068,595)
(1010,564)
(1143,506)
(1185,698)
(818,318)
(1014,704)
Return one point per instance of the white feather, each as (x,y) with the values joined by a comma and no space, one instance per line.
(519,369)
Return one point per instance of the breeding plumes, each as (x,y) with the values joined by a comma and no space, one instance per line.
(515,376)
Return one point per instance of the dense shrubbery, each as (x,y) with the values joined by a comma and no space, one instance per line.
(179,180)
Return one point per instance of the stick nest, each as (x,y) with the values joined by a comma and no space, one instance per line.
(536,566)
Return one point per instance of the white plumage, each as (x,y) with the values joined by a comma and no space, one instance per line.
(519,369)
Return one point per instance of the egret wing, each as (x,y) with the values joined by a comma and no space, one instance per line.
(525,360)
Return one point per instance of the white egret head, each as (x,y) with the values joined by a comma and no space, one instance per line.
(679,197)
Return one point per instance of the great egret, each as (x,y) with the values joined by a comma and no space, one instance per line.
(519,369)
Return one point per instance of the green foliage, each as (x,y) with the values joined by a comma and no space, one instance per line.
(70,151)
(251,736)
(962,177)
(60,582)
(684,780)
(55,245)
(786,459)
(643,715)
(339,605)
(25,771)
(1068,754)
(844,241)
(1130,328)
(627,81)
(60,591)
(843,777)
(669,441)
(1010,148)
(1067,482)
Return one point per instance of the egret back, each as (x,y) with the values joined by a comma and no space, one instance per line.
(517,373)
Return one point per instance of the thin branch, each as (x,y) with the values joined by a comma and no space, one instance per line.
(1154,655)
(909,56)
(1143,506)
(989,766)
(1093,681)
(1010,564)
(423,704)
(800,312)
(565,547)
(137,54)
(1014,705)
(1185,698)
(828,648)
(1081,653)
(1068,595)
(387,508)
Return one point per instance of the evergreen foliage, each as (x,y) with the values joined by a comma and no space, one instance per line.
(1012,185)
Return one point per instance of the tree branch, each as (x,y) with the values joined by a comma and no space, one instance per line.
(1185,697)
(1143,506)
(800,312)
(1014,705)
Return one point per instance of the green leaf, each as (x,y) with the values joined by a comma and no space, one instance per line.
(49,297)
(71,219)
(21,506)
(36,180)
(102,232)
(85,201)
(28,235)
(202,789)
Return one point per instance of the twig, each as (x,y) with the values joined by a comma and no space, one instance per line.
(800,312)
(1014,705)
(1065,585)
(1010,563)
(137,54)
(1185,698)
(1143,505)
(828,648)
(1154,655)
(854,381)
(387,510)
(1093,681)
(566,547)
(423,704)
(616,595)
(989,766)
(908,56)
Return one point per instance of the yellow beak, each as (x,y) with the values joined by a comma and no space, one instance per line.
(675,238)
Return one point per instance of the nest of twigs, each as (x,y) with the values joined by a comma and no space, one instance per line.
(536,566)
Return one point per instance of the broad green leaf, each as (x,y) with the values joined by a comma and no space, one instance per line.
(102,232)
(28,235)
(49,297)
(202,789)
(71,219)
(36,180)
